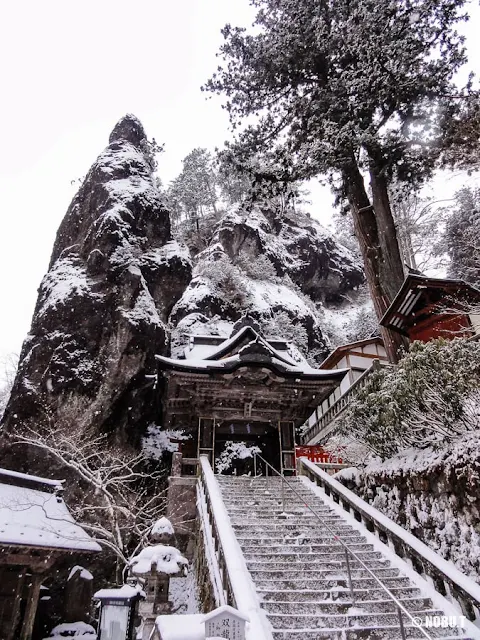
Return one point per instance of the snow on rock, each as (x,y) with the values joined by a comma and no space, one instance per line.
(65,280)
(115,274)
(280,272)
(159,558)
(73,630)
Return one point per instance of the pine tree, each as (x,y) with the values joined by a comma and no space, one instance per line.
(347,88)
(193,193)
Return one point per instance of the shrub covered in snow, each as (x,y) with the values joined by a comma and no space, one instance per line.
(73,630)
(158,441)
(257,268)
(430,397)
(349,449)
(225,277)
(234,451)
(281,324)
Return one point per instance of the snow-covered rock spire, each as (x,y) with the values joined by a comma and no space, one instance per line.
(102,308)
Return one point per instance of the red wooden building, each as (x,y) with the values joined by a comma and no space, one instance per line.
(428,308)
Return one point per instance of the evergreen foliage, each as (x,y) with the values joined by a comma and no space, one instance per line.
(193,192)
(226,278)
(462,237)
(430,397)
(339,87)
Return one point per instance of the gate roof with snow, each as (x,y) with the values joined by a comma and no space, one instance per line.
(245,377)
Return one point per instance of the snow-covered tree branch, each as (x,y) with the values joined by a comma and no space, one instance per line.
(114,496)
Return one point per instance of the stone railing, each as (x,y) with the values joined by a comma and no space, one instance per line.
(183,466)
(229,573)
(331,467)
(325,425)
(444,576)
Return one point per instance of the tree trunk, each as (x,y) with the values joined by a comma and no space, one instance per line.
(381,268)
(392,265)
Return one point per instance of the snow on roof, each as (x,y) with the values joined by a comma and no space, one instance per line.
(35,518)
(125,592)
(300,369)
(338,353)
(8,473)
(84,573)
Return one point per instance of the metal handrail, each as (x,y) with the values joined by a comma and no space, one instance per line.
(337,538)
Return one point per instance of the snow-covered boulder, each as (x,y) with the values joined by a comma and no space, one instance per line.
(283,273)
(114,276)
(79,630)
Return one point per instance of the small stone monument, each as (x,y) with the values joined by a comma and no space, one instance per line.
(225,622)
(78,595)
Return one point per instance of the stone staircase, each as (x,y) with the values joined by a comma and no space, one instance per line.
(300,572)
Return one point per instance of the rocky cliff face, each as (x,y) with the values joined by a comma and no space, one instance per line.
(103,307)
(287,273)
(119,289)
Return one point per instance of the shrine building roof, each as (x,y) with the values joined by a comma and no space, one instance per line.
(421,297)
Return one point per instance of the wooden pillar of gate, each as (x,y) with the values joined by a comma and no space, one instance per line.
(206,439)
(286,431)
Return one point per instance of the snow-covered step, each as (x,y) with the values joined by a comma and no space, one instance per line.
(318,538)
(389,632)
(293,528)
(304,575)
(356,618)
(319,584)
(339,607)
(339,594)
(300,571)
(301,555)
(302,548)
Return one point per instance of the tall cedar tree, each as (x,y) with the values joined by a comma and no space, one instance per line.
(347,88)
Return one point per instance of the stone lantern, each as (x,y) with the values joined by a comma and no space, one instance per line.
(155,566)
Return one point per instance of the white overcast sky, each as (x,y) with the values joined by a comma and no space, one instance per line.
(69,69)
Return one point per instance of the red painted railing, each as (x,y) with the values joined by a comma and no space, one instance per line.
(316,453)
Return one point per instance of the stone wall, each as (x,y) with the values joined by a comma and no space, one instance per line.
(435,494)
